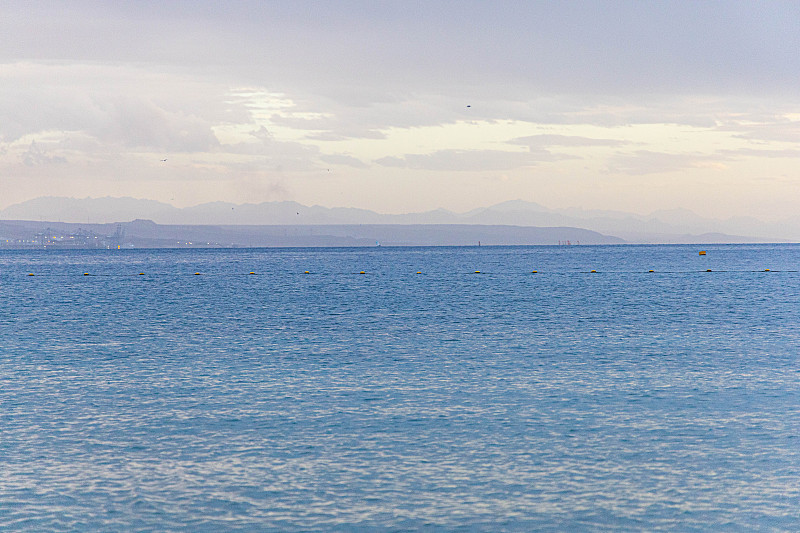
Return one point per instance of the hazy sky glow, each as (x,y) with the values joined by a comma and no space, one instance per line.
(405,106)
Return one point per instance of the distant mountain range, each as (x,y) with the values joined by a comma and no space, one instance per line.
(659,227)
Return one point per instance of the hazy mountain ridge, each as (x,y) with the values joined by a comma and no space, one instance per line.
(677,225)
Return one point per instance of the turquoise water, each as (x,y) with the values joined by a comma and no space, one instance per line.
(442,401)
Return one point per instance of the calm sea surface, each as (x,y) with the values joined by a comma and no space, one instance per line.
(561,400)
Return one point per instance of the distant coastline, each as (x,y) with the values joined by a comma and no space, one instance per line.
(23,234)
(27,234)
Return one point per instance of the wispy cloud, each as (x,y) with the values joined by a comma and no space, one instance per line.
(36,156)
(548,140)
(793,153)
(780,129)
(469,160)
(643,162)
(342,159)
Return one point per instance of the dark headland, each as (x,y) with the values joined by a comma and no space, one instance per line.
(148,234)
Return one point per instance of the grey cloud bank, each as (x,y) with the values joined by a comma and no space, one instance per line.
(588,46)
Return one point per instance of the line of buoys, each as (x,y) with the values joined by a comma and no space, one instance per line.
(532,272)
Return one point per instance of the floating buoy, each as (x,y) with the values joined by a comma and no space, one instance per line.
(651,270)
(362,272)
(306,272)
(419,272)
(534,271)
(708,270)
(197,273)
(702,252)
(477,271)
(31,274)
(141,273)
(766,270)
(249,273)
(593,271)
(85,273)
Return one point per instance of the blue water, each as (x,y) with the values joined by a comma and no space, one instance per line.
(563,400)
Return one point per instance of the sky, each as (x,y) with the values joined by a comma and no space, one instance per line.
(405,106)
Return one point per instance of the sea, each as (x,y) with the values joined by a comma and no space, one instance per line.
(520,388)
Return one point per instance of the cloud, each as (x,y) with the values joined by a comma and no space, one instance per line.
(263,151)
(644,162)
(344,135)
(139,123)
(36,156)
(469,160)
(342,159)
(509,47)
(793,153)
(329,120)
(326,120)
(546,140)
(779,129)
(117,105)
